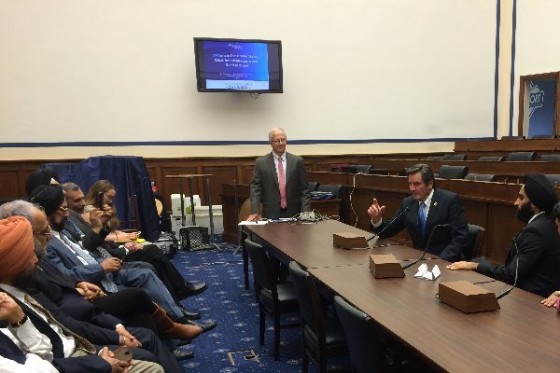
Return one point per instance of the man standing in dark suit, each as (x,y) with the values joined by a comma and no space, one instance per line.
(279,182)
(534,257)
(434,217)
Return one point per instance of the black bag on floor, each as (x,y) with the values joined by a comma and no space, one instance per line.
(168,243)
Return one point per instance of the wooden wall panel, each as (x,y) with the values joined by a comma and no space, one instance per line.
(504,228)
(9,189)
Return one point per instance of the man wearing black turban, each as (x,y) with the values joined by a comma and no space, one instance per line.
(534,257)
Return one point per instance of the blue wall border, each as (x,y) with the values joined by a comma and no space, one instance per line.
(224,142)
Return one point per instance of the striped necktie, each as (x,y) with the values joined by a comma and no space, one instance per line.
(81,342)
(282,183)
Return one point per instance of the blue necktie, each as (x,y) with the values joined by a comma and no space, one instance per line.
(422,219)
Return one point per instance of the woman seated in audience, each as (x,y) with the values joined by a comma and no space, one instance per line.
(103,192)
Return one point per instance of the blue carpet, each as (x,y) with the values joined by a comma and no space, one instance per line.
(233,346)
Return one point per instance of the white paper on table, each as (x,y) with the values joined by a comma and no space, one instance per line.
(421,270)
(257,222)
(424,273)
(436,272)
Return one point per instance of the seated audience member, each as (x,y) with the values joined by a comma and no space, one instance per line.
(423,214)
(534,256)
(108,192)
(41,176)
(86,301)
(75,261)
(87,227)
(12,358)
(554,298)
(59,340)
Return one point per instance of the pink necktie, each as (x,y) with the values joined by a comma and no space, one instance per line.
(282,184)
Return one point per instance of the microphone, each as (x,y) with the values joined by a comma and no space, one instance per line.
(389,223)
(507,291)
(437,227)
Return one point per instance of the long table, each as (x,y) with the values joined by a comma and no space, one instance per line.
(520,337)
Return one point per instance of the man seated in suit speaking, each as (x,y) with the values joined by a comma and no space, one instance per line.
(534,256)
(279,182)
(426,211)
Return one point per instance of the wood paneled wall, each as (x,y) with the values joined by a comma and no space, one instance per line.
(14,174)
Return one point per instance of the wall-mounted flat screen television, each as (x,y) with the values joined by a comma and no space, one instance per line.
(238,65)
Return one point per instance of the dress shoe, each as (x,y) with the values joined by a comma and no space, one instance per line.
(195,288)
(205,326)
(190,315)
(183,354)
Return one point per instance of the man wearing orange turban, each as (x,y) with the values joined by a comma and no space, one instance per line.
(16,232)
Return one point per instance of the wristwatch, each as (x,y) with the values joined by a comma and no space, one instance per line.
(20,322)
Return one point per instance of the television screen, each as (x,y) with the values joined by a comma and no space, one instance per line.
(237,65)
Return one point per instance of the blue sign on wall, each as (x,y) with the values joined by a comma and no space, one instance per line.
(542,103)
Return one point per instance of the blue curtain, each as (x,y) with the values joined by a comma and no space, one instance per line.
(128,175)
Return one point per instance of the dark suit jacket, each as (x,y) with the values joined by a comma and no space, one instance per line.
(447,242)
(90,240)
(9,350)
(538,268)
(62,291)
(265,190)
(67,263)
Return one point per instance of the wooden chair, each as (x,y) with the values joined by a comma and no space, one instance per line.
(364,347)
(322,337)
(273,298)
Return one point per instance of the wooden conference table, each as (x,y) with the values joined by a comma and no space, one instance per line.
(522,336)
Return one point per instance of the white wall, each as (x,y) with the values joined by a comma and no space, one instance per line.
(537,50)
(123,70)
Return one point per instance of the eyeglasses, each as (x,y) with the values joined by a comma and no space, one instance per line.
(280,141)
(46,232)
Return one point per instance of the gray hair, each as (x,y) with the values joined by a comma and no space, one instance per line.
(70,187)
(19,207)
(271,133)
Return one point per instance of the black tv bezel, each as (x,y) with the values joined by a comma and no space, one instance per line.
(200,81)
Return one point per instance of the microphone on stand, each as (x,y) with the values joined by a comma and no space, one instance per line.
(507,291)
(388,224)
(434,229)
